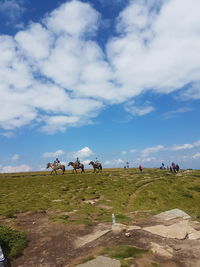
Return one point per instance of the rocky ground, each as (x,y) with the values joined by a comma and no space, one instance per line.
(172,239)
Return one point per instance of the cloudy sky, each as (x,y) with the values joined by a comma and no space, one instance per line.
(118,80)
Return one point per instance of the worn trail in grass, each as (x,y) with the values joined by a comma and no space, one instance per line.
(115,190)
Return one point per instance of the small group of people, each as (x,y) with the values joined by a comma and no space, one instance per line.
(126,166)
(57,161)
(173,167)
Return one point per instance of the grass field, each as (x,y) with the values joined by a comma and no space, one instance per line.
(92,198)
(116,191)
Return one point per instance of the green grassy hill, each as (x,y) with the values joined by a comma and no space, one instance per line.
(94,197)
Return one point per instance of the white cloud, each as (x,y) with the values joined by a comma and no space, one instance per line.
(12,169)
(73,18)
(15,157)
(180,147)
(82,153)
(53,154)
(185,146)
(150,53)
(138,110)
(175,113)
(148,159)
(56,67)
(114,162)
(145,152)
(196,156)
(86,162)
(11,9)
(124,152)
(192,91)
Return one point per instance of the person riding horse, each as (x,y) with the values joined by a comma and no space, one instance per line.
(96,165)
(55,167)
(77,162)
(76,166)
(57,162)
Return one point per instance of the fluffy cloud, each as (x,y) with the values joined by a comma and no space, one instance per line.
(150,53)
(15,157)
(82,153)
(12,9)
(53,154)
(55,74)
(185,146)
(20,168)
(192,91)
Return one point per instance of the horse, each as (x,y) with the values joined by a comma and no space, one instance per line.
(96,166)
(55,167)
(76,166)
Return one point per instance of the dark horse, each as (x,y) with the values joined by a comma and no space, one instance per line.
(96,166)
(55,167)
(76,166)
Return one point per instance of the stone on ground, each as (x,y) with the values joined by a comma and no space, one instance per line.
(101,261)
(97,233)
(194,236)
(166,251)
(118,227)
(172,214)
(178,230)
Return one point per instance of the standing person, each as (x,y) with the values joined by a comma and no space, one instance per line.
(140,168)
(127,165)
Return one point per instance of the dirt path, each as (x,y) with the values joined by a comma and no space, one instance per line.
(52,244)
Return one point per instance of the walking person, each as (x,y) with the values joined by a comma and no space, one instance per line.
(140,168)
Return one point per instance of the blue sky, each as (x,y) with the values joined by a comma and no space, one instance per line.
(118,80)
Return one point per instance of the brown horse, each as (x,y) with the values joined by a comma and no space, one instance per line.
(55,167)
(96,166)
(76,166)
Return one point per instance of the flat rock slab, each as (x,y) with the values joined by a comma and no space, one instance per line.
(172,214)
(118,227)
(178,230)
(101,261)
(133,227)
(166,251)
(83,240)
(194,236)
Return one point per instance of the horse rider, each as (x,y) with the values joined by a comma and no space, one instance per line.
(57,162)
(78,161)
(96,161)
